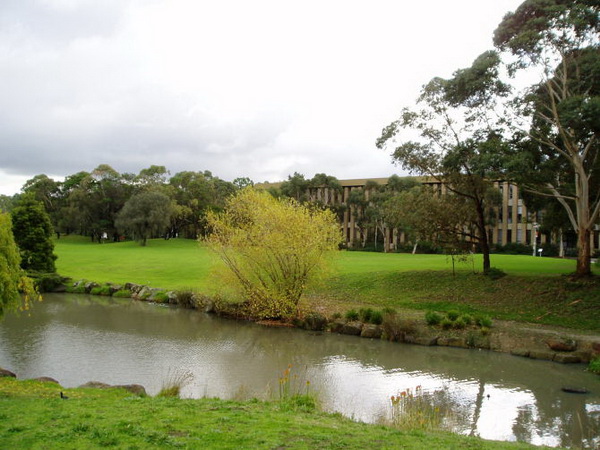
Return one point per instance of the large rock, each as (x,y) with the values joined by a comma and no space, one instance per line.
(95,385)
(452,341)
(562,344)
(352,328)
(371,331)
(567,358)
(136,389)
(46,380)
(6,373)
(315,322)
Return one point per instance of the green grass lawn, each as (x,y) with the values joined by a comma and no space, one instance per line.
(34,416)
(535,289)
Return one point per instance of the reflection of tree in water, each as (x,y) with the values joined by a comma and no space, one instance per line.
(564,416)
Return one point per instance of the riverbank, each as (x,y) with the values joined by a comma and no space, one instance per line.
(97,418)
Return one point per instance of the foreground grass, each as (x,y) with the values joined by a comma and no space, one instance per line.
(536,290)
(34,416)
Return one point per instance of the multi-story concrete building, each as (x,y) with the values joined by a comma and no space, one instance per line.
(514,224)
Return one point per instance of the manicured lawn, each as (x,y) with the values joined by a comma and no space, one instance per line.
(535,289)
(34,416)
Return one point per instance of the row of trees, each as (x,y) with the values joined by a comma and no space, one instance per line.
(105,204)
(479,125)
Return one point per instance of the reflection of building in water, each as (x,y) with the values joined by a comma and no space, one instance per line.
(515,223)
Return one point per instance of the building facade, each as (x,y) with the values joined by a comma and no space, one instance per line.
(514,223)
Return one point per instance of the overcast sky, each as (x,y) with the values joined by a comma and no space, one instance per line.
(256,88)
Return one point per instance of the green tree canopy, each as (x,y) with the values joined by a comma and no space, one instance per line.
(16,290)
(32,232)
(145,214)
(555,123)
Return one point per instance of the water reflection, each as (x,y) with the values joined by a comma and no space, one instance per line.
(77,338)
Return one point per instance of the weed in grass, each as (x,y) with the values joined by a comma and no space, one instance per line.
(420,410)
(351,315)
(294,394)
(174,383)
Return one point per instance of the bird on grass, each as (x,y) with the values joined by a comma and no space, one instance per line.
(63,396)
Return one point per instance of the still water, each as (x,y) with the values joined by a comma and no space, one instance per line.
(79,338)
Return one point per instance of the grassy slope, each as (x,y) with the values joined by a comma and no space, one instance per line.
(535,289)
(33,416)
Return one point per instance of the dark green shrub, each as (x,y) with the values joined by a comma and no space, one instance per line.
(364,314)
(513,248)
(45,282)
(550,249)
(433,318)
(351,315)
(336,315)
(453,314)
(377,318)
(495,273)
(123,293)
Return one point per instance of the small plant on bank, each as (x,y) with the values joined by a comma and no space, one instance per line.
(483,321)
(433,318)
(459,324)
(467,319)
(336,316)
(186,299)
(101,290)
(594,366)
(453,314)
(351,315)
(161,297)
(377,317)
(79,289)
(365,314)
(446,323)
(122,293)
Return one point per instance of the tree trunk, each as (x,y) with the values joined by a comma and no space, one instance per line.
(584,268)
(483,238)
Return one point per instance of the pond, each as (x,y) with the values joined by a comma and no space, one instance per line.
(80,338)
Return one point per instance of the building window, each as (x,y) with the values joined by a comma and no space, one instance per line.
(519,214)
(519,235)
(508,236)
(510,216)
(499,239)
